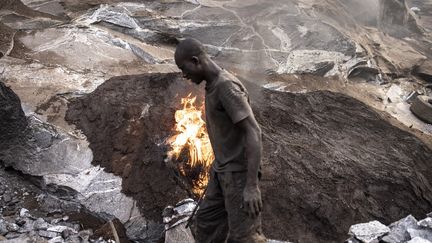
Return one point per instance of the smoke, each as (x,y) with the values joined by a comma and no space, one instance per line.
(365,12)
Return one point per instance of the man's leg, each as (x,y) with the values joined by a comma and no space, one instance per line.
(242,228)
(211,218)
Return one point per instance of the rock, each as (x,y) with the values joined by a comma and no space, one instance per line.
(427,222)
(12,120)
(57,239)
(398,230)
(394,93)
(352,240)
(85,234)
(112,230)
(303,111)
(47,234)
(369,232)
(2,238)
(176,219)
(24,213)
(12,235)
(60,229)
(40,224)
(395,14)
(179,233)
(7,198)
(140,229)
(12,227)
(3,227)
(178,214)
(412,96)
(66,233)
(75,227)
(27,227)
(6,40)
(425,233)
(20,222)
(425,70)
(429,214)
(418,240)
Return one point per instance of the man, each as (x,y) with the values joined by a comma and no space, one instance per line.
(230,210)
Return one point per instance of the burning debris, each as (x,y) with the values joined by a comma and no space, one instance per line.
(191,145)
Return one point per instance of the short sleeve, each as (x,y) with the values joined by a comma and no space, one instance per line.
(235,101)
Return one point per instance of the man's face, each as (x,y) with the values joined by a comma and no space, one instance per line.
(191,68)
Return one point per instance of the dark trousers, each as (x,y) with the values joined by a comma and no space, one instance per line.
(220,217)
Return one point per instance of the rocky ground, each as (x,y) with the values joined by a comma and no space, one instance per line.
(29,214)
(338,74)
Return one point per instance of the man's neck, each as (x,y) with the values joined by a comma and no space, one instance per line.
(212,72)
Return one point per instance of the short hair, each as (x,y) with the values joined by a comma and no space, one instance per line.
(189,47)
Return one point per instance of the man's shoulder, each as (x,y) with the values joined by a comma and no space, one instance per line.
(228,82)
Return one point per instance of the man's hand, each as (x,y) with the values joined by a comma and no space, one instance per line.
(252,201)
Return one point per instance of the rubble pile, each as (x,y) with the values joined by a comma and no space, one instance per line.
(47,219)
(408,229)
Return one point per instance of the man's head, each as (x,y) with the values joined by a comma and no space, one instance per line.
(189,57)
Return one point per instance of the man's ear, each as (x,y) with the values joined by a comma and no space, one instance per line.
(195,60)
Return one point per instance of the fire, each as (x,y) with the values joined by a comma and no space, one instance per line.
(192,142)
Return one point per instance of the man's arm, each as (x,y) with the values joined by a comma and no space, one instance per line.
(251,194)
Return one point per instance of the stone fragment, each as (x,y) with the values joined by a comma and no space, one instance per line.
(179,233)
(424,233)
(368,232)
(60,229)
(352,240)
(411,97)
(20,222)
(12,235)
(7,198)
(66,233)
(27,227)
(111,231)
(418,240)
(24,213)
(3,228)
(425,71)
(12,227)
(40,224)
(85,234)
(427,222)
(394,94)
(57,239)
(398,230)
(47,234)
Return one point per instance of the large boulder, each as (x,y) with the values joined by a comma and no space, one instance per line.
(329,160)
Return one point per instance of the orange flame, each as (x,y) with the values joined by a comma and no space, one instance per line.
(191,135)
